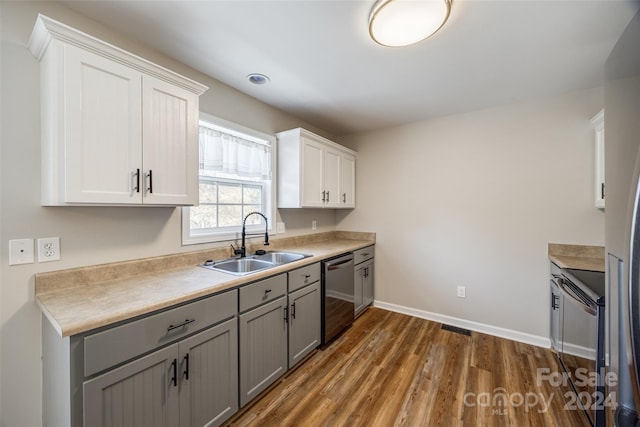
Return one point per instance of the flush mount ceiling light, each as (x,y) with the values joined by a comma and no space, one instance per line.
(258,79)
(403,22)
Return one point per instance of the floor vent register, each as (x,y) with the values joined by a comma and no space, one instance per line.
(457,330)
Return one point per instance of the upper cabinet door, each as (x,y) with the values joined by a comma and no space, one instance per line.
(598,124)
(312,174)
(332,178)
(348,181)
(170,144)
(101,132)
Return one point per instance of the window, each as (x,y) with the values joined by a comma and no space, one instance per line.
(235,170)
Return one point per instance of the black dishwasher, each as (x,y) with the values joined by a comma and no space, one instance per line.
(337,295)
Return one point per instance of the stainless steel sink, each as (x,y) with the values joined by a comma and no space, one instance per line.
(251,264)
(279,257)
(240,266)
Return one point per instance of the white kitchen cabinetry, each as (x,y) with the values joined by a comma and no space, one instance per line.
(116,129)
(314,172)
(598,124)
(348,181)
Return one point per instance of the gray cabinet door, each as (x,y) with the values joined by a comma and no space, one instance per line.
(304,323)
(358,283)
(555,307)
(263,347)
(208,371)
(142,393)
(367,285)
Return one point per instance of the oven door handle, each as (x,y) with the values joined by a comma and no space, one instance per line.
(567,291)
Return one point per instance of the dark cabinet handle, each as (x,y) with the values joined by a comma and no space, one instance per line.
(286,314)
(186,369)
(324,196)
(267,292)
(602,190)
(174,366)
(137,174)
(327,197)
(344,197)
(150,188)
(180,325)
(293,310)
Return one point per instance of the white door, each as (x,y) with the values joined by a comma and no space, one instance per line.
(102,129)
(348,181)
(170,150)
(312,174)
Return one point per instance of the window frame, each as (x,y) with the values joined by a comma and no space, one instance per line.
(234,233)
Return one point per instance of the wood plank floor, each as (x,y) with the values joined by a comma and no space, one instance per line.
(389,369)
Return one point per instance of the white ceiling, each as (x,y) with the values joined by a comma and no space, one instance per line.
(325,69)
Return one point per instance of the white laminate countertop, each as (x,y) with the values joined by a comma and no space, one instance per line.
(86,305)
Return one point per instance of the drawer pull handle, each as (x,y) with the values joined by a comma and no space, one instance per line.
(266,291)
(293,310)
(180,325)
(307,276)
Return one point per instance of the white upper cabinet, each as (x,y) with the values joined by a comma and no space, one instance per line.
(348,181)
(314,172)
(116,129)
(598,124)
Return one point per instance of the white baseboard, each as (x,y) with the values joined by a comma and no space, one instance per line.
(578,350)
(536,340)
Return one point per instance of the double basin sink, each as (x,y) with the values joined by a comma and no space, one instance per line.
(253,263)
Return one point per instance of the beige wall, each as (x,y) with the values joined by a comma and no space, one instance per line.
(88,235)
(472,200)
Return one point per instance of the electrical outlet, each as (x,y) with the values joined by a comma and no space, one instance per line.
(20,251)
(280,227)
(314,225)
(461,292)
(48,249)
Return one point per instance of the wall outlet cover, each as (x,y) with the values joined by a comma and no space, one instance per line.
(48,249)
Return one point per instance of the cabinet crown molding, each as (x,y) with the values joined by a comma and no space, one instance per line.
(46,30)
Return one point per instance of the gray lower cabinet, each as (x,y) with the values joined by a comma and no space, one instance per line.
(190,383)
(175,368)
(209,379)
(363,278)
(140,393)
(304,323)
(263,346)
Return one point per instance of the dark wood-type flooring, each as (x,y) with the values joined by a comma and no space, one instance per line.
(390,369)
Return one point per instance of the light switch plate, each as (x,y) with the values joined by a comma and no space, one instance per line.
(20,251)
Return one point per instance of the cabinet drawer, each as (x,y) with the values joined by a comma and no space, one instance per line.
(303,276)
(363,254)
(260,292)
(108,348)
